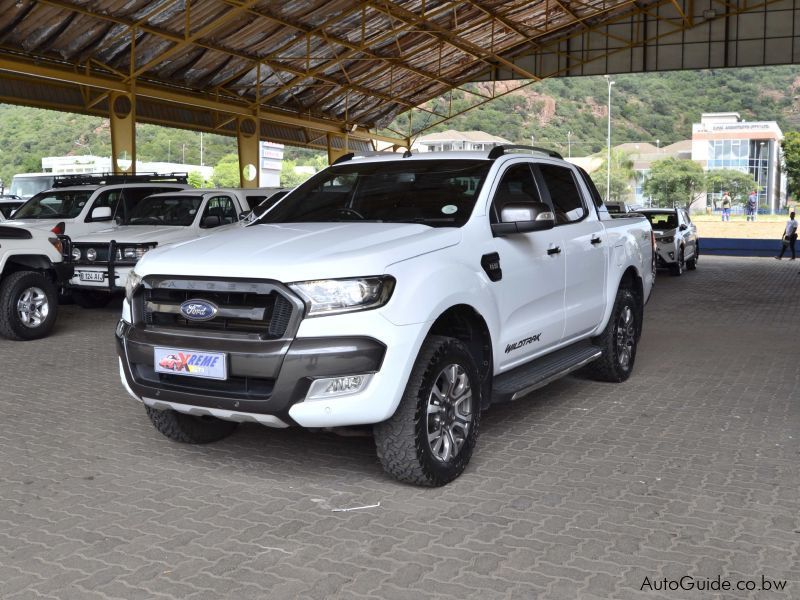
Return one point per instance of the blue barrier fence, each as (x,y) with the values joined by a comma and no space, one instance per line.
(738,247)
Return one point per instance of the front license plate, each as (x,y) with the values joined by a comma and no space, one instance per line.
(91,276)
(191,363)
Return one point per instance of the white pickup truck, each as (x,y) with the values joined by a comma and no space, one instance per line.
(104,258)
(404,293)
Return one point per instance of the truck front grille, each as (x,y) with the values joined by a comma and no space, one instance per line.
(244,307)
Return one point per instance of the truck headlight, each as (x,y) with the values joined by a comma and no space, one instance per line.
(333,296)
(91,254)
(131,284)
(76,254)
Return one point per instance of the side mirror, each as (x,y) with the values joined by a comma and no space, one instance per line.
(683,227)
(101,213)
(522,218)
(245,214)
(211,221)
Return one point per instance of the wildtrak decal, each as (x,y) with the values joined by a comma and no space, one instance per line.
(523,342)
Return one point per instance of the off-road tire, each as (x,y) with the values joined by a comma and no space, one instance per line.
(11,289)
(401,441)
(609,366)
(86,299)
(691,264)
(190,429)
(677,268)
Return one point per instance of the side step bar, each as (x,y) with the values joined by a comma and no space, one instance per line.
(526,378)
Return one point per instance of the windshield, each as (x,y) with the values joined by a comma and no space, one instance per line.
(176,211)
(25,187)
(438,193)
(54,204)
(663,220)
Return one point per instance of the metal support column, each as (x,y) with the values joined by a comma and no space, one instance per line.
(337,146)
(123,133)
(247,137)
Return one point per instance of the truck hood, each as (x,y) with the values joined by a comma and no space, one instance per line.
(298,251)
(46,224)
(139,234)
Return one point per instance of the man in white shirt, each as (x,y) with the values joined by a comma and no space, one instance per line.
(789,236)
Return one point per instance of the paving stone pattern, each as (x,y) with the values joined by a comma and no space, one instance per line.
(577,492)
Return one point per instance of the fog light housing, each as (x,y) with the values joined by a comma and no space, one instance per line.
(672,255)
(333,387)
(91,254)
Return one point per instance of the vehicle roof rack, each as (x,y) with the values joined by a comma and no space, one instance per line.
(499,151)
(352,155)
(109,178)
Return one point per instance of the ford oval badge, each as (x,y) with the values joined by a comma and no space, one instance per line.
(199,310)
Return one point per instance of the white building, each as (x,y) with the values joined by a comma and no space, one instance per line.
(724,141)
(89,163)
(457,140)
(271,158)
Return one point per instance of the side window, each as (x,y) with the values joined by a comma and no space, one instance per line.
(516,186)
(111,199)
(564,193)
(221,207)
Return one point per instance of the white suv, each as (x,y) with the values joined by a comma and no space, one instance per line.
(404,293)
(88,203)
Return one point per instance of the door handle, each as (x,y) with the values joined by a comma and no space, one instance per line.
(554,250)
(596,240)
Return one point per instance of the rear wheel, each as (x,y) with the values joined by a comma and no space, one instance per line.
(618,340)
(86,299)
(190,429)
(430,438)
(28,305)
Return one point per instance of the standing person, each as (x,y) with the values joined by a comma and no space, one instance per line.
(752,206)
(726,206)
(789,236)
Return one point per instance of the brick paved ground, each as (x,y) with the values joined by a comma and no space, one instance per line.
(579,492)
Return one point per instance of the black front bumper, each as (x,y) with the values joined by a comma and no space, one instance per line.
(264,376)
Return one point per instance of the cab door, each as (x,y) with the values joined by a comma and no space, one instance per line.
(586,249)
(530,294)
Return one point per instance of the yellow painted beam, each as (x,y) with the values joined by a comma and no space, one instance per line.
(247,138)
(123,133)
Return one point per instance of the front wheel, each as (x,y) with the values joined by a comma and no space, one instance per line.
(28,305)
(618,340)
(430,438)
(677,268)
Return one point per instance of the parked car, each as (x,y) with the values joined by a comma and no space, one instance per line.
(407,294)
(677,243)
(8,204)
(88,203)
(104,258)
(32,269)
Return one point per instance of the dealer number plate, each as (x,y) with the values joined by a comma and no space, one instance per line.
(191,363)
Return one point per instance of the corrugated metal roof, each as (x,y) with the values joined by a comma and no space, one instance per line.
(335,61)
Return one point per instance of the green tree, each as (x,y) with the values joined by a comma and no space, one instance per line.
(196,179)
(791,161)
(290,177)
(622,176)
(226,173)
(736,183)
(674,181)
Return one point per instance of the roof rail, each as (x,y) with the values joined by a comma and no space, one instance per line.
(499,151)
(109,178)
(352,155)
